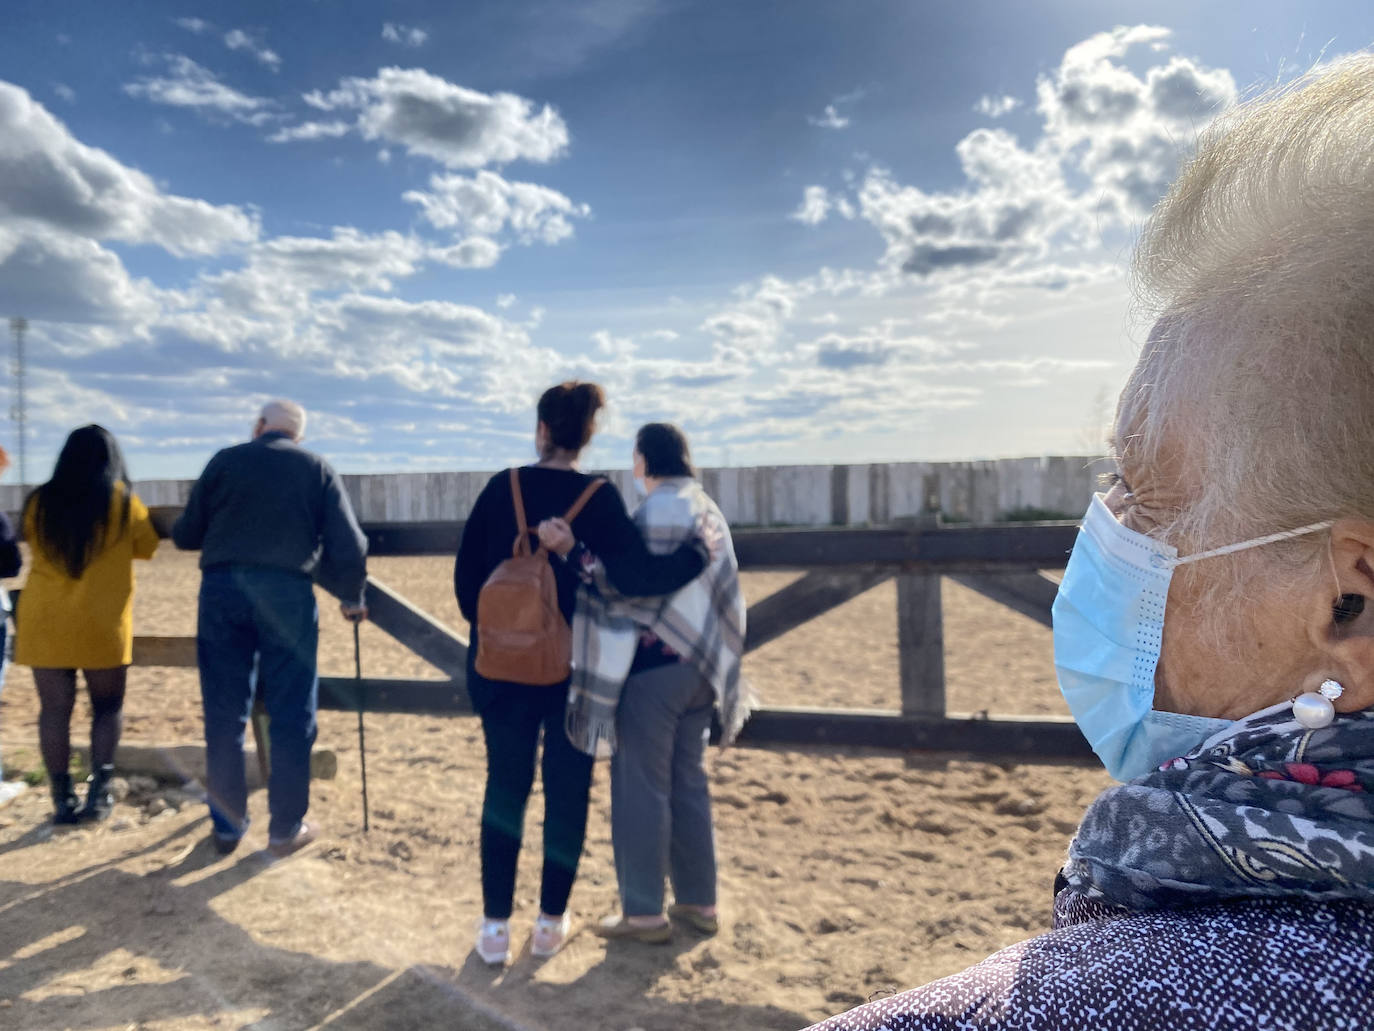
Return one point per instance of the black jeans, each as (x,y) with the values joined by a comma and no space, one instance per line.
(511,722)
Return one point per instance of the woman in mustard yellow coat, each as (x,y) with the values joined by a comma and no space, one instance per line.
(84,527)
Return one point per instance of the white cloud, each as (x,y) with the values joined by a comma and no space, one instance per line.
(486,205)
(620,349)
(310,311)
(65,92)
(58,183)
(282,274)
(238,39)
(472,252)
(1111,141)
(814,207)
(936,337)
(830,118)
(405,35)
(818,202)
(752,328)
(1126,132)
(189,85)
(311,131)
(61,277)
(196,25)
(458,127)
(996,107)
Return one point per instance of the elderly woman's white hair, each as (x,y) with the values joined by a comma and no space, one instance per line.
(285,417)
(1258,377)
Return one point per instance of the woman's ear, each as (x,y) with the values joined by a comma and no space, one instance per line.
(1343,625)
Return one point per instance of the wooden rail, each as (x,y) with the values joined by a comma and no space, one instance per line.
(1002,561)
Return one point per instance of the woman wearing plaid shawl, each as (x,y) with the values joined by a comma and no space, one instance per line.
(647,675)
(516,716)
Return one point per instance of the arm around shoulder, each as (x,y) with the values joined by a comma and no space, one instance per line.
(631,567)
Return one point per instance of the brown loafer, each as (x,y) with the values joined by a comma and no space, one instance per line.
(619,927)
(695,918)
(304,835)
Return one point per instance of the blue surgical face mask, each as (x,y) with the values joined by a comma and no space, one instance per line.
(1108,627)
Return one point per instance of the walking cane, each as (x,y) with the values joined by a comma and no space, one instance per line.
(362,742)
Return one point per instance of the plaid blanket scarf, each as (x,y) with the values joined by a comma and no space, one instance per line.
(703,622)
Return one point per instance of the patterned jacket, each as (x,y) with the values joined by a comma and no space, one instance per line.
(1243,965)
(1230,890)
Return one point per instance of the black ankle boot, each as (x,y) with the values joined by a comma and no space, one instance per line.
(99,802)
(63,798)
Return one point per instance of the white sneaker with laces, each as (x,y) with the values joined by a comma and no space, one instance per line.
(550,932)
(493,941)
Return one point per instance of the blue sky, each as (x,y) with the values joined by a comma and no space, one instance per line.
(807,232)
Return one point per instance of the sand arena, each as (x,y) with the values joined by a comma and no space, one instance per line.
(844,873)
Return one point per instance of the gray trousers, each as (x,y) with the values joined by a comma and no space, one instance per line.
(660,803)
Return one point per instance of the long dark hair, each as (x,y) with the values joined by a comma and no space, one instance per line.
(71,512)
(665,451)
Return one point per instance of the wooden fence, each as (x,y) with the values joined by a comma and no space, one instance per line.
(1002,562)
(779,495)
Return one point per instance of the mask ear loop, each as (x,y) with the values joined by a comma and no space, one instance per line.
(1229,549)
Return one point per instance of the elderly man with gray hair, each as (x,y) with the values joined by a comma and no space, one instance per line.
(269,518)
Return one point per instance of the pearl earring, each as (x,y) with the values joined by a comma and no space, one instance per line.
(1313,709)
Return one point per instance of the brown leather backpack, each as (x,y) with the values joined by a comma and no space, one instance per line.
(522,636)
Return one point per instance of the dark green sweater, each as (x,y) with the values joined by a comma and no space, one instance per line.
(272,503)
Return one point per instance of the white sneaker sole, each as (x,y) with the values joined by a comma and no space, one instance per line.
(489,957)
(564,928)
(493,959)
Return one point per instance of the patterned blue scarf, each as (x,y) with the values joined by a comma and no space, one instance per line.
(1267,808)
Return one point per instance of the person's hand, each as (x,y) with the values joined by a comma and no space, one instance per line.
(711,534)
(353,613)
(556,535)
(4,460)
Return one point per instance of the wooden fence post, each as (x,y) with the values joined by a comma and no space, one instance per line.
(920,629)
(921,644)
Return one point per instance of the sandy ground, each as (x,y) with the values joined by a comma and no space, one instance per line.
(844,873)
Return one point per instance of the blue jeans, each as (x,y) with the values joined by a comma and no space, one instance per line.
(257,631)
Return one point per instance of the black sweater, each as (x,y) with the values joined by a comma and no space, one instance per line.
(603,526)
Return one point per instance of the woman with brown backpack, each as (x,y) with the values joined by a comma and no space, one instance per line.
(519,601)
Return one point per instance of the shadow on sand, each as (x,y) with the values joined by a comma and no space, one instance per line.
(56,931)
(185,965)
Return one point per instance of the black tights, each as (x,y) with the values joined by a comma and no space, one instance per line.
(57,697)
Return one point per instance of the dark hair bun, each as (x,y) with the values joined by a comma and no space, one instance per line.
(569,411)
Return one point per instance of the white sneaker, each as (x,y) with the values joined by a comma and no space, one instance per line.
(493,941)
(550,932)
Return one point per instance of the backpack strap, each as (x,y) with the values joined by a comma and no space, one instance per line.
(522,539)
(582,499)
